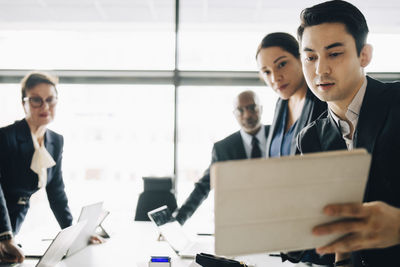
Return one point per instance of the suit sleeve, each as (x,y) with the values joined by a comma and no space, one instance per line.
(56,194)
(198,195)
(5,224)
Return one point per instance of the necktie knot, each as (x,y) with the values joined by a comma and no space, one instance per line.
(254,141)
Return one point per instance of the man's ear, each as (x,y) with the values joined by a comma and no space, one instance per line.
(366,55)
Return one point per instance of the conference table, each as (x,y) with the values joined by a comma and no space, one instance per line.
(132,243)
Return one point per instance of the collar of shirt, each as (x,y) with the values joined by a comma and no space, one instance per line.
(262,141)
(352,114)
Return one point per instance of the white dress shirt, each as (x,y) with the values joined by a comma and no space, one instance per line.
(262,141)
(352,114)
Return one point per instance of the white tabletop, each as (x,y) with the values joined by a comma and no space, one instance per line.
(133,243)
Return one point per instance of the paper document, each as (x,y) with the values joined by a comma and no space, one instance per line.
(265,205)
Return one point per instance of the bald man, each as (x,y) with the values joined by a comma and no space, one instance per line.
(249,142)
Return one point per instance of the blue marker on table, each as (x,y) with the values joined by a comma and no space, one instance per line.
(160,261)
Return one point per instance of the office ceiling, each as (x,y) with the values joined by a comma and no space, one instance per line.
(382,16)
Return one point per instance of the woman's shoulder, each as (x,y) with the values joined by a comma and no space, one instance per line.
(17,126)
(10,134)
(54,136)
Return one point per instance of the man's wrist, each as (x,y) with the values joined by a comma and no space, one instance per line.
(6,236)
(345,262)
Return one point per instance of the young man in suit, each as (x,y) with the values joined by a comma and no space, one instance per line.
(362,113)
(239,145)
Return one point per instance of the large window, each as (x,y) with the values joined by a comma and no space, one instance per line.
(113,136)
(88,49)
(384,57)
(224,35)
(205,117)
(132,94)
(87,35)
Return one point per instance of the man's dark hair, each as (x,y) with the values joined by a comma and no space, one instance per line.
(280,39)
(336,11)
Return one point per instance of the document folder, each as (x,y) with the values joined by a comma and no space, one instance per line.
(264,205)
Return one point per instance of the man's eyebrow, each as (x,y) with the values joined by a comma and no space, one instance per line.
(334,45)
(307,49)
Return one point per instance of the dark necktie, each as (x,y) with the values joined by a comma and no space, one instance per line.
(255,150)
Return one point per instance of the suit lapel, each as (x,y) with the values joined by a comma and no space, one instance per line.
(302,121)
(277,119)
(374,107)
(49,143)
(266,130)
(330,135)
(239,146)
(50,146)
(24,139)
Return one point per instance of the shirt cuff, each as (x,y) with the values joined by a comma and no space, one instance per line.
(6,236)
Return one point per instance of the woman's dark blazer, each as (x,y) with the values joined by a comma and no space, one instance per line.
(313,108)
(18,182)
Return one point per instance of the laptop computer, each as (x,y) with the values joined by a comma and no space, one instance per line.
(90,214)
(176,237)
(267,205)
(57,249)
(100,229)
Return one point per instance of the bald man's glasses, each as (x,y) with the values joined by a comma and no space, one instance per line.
(37,102)
(253,108)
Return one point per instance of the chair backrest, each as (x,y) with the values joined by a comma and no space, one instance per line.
(157,192)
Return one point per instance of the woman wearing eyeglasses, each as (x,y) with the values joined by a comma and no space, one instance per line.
(279,64)
(30,159)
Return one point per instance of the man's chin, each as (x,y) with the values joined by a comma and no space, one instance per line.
(251,130)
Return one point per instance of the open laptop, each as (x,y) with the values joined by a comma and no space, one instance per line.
(57,249)
(176,237)
(90,214)
(100,229)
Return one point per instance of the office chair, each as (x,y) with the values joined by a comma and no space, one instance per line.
(157,192)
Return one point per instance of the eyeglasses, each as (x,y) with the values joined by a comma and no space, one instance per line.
(37,102)
(253,108)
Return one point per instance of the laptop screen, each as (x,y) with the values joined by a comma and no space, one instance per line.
(90,214)
(161,216)
(171,230)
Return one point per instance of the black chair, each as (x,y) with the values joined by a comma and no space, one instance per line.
(157,192)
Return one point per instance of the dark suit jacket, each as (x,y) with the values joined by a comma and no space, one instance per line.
(378,131)
(313,108)
(18,181)
(230,148)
